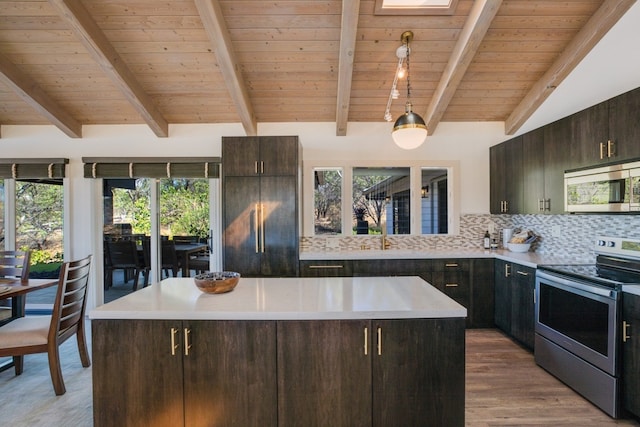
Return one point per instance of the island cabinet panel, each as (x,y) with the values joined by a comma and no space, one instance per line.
(324,375)
(260,205)
(631,353)
(374,373)
(326,268)
(136,379)
(174,373)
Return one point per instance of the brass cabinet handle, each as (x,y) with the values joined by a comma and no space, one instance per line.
(262,226)
(255,167)
(541,205)
(522,273)
(187,344)
(601,151)
(379,341)
(174,346)
(366,339)
(451,285)
(625,335)
(262,167)
(327,266)
(451,264)
(506,206)
(610,145)
(547,204)
(507,270)
(257,224)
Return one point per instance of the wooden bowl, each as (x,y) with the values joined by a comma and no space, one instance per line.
(217,282)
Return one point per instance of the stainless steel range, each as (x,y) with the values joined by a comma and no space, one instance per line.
(578,308)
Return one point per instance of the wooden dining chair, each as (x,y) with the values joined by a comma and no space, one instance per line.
(14,265)
(122,255)
(169,258)
(44,334)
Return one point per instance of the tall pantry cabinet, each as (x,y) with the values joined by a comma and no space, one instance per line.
(261,187)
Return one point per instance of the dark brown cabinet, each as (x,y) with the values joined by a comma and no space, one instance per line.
(481,311)
(393,267)
(506,177)
(326,268)
(260,209)
(514,301)
(174,373)
(591,144)
(451,276)
(624,126)
(631,353)
(557,159)
(375,373)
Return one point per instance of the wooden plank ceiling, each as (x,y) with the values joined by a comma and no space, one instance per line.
(76,62)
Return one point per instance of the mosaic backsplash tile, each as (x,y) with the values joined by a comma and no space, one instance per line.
(561,235)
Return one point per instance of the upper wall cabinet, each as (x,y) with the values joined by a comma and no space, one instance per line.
(607,132)
(260,155)
(506,177)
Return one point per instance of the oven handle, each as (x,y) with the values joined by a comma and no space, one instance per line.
(609,293)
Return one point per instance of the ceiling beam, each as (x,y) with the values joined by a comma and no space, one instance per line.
(213,21)
(30,92)
(99,47)
(598,25)
(480,17)
(348,30)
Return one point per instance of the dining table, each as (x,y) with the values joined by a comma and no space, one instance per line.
(184,252)
(17,291)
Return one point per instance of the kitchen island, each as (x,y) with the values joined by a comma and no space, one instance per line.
(281,352)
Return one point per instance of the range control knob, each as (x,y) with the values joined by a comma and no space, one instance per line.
(611,244)
(601,243)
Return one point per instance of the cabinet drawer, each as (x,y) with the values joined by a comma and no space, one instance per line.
(391,267)
(451,265)
(326,268)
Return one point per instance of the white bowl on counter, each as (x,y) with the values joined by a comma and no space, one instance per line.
(519,247)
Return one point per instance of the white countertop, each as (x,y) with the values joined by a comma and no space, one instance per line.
(287,299)
(529,259)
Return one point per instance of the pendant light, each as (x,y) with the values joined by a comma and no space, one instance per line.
(409,130)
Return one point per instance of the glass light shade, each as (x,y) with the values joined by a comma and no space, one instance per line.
(409,131)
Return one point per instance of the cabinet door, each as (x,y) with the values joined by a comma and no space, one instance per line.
(522,308)
(230,373)
(418,373)
(506,177)
(533,175)
(137,381)
(497,181)
(590,133)
(631,354)
(482,291)
(241,196)
(240,156)
(279,235)
(557,159)
(624,127)
(279,155)
(503,295)
(324,373)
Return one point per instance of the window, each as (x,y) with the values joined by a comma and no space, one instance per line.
(404,198)
(327,199)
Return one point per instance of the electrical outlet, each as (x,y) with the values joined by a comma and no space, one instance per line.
(491,227)
(556,231)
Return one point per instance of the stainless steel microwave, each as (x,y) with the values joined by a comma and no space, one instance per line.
(614,188)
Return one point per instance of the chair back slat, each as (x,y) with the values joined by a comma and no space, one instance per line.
(15,264)
(71,297)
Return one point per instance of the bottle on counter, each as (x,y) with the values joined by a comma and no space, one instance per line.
(487,240)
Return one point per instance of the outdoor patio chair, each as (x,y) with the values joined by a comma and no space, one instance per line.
(14,265)
(44,334)
(123,255)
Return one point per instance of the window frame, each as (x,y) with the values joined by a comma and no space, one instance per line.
(415,167)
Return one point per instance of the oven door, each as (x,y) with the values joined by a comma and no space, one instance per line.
(579,317)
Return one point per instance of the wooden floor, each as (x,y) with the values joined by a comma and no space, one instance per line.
(504,388)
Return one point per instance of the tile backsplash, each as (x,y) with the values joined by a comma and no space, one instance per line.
(562,235)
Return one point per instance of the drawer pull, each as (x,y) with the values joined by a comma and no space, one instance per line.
(187,344)
(326,266)
(379,341)
(522,273)
(366,339)
(174,346)
(451,264)
(451,285)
